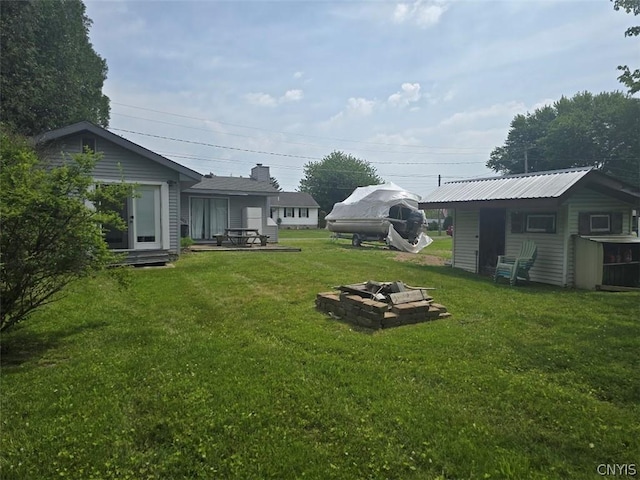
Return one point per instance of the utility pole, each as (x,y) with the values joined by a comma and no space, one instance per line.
(526,160)
(439,210)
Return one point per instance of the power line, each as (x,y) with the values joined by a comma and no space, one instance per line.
(193,142)
(315,145)
(262,152)
(289,167)
(477,149)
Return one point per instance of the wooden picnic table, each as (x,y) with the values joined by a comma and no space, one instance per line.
(242,237)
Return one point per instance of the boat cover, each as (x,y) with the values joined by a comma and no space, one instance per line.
(373,201)
(395,239)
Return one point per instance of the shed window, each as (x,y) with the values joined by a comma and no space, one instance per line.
(541,223)
(600,223)
(289,212)
(303,212)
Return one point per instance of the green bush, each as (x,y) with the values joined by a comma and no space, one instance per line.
(52,226)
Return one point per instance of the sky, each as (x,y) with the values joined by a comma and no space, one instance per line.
(418,89)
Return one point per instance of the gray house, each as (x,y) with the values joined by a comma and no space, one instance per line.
(153,215)
(580,220)
(295,210)
(171,200)
(216,203)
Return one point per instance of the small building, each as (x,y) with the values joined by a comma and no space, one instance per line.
(580,220)
(295,210)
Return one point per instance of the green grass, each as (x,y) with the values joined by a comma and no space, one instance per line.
(222,368)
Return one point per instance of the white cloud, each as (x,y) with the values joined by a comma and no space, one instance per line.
(265,100)
(360,106)
(410,92)
(356,107)
(261,99)
(423,14)
(506,110)
(298,75)
(401,12)
(292,96)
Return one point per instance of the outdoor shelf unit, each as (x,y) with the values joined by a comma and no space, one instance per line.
(603,262)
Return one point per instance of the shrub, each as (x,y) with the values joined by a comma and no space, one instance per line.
(52,226)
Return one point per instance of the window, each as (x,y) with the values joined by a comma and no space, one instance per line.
(288,212)
(541,223)
(533,222)
(88,143)
(600,223)
(303,212)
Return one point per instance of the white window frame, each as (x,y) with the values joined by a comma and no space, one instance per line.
(289,212)
(303,212)
(531,229)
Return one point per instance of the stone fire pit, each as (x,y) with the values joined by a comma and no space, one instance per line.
(381,304)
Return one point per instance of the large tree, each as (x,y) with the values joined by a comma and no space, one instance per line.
(50,75)
(628,77)
(52,222)
(333,178)
(585,130)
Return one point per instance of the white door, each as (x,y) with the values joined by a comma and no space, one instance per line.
(147,231)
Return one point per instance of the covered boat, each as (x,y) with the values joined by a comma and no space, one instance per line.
(381,212)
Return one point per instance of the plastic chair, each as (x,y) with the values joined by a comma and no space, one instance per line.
(515,268)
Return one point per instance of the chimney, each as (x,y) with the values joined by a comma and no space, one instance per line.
(260,173)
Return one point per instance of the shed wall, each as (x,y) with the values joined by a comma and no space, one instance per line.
(549,266)
(587,200)
(465,239)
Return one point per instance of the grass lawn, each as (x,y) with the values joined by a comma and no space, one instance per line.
(222,368)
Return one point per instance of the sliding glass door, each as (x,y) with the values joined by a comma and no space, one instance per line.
(209,217)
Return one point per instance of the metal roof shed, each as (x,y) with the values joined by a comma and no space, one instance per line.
(493,216)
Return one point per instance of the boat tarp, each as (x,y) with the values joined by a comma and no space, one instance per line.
(395,240)
(373,201)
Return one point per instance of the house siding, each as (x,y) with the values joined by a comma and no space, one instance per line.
(549,266)
(117,164)
(465,239)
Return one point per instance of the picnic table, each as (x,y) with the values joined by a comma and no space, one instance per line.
(244,237)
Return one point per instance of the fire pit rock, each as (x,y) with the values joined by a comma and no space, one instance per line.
(381,304)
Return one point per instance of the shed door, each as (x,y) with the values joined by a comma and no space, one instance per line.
(492,232)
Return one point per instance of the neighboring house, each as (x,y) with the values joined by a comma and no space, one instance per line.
(580,220)
(152,216)
(295,210)
(216,203)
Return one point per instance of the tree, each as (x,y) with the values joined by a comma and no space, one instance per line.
(52,226)
(333,178)
(585,130)
(275,184)
(50,75)
(631,79)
